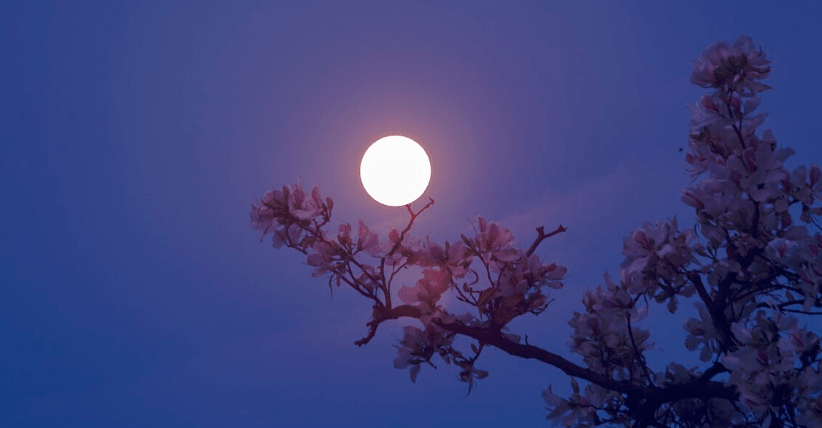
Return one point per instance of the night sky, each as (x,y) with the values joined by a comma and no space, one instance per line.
(134,138)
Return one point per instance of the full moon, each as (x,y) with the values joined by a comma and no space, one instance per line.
(395,171)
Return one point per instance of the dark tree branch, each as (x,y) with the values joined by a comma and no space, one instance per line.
(712,371)
(541,236)
(656,396)
(717,314)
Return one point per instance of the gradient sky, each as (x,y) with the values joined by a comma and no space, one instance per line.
(135,136)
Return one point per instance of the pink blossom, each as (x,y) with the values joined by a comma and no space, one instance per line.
(578,410)
(344,235)
(427,291)
(411,351)
(801,342)
(453,257)
(705,67)
(394,236)
(263,215)
(494,240)
(367,241)
(418,346)
(702,334)
(289,234)
(321,258)
(302,206)
(739,66)
(262,219)
(709,111)
(603,330)
(657,253)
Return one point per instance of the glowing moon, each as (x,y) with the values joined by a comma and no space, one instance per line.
(395,171)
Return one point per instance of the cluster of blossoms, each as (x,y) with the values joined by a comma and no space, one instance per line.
(750,267)
(486,271)
(655,258)
(518,277)
(282,212)
(419,346)
(606,335)
(773,368)
(754,268)
(746,207)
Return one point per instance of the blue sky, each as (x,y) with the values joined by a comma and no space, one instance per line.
(134,136)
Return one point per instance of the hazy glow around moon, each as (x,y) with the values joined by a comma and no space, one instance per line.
(395,171)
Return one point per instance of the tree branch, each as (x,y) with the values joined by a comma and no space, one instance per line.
(541,236)
(700,388)
(717,314)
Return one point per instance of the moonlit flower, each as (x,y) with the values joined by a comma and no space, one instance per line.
(367,241)
(418,346)
(428,290)
(739,66)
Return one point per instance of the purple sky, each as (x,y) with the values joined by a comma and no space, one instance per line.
(135,136)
